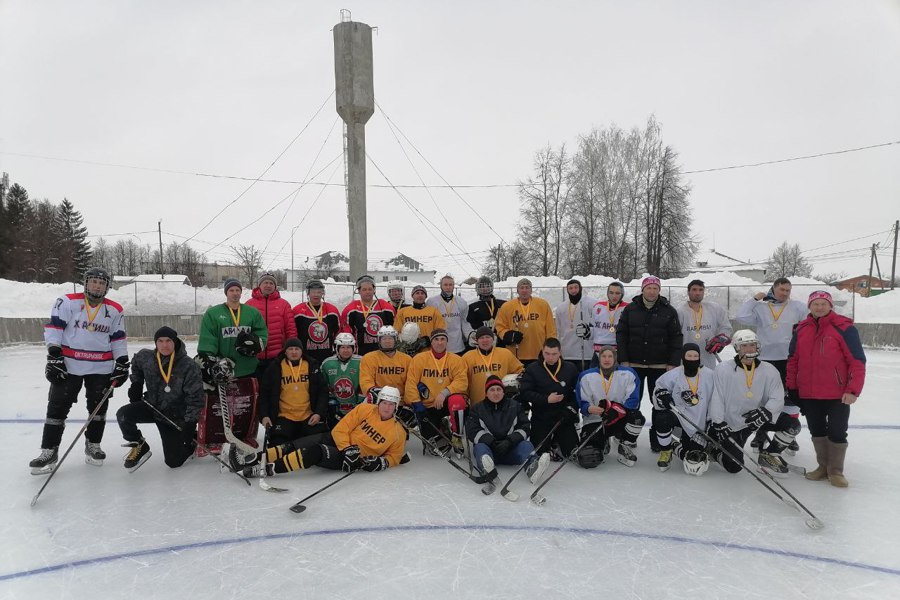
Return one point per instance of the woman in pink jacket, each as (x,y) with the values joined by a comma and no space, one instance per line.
(279,317)
(825,372)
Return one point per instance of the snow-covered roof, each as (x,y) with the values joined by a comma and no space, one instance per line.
(716,261)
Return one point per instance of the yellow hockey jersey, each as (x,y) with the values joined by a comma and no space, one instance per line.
(428,317)
(534,320)
(448,372)
(363,427)
(377,369)
(294,401)
(499,362)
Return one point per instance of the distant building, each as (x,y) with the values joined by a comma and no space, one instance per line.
(712,261)
(861,284)
(336,265)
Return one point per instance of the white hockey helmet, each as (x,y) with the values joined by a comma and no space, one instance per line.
(389,394)
(393,287)
(511,382)
(387,331)
(344,339)
(743,337)
(696,462)
(410,332)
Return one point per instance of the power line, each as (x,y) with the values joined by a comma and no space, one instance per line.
(794,158)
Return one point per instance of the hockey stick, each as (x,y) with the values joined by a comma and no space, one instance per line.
(535,495)
(430,446)
(505,491)
(262,472)
(94,413)
(226,423)
(299,508)
(198,444)
(813,522)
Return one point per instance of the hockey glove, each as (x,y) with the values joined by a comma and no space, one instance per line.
(513,337)
(351,459)
(423,391)
(717,343)
(373,464)
(571,415)
(55,371)
(516,438)
(613,412)
(756,418)
(719,432)
(372,395)
(501,447)
(223,371)
(583,330)
(407,416)
(471,342)
(662,399)
(120,372)
(248,344)
(136,392)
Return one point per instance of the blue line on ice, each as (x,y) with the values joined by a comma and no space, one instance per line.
(429,528)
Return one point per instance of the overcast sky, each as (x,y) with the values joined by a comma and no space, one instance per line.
(223,87)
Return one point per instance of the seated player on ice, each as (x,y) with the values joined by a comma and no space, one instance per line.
(368,438)
(609,398)
(499,430)
(688,388)
(747,395)
(173,401)
(294,398)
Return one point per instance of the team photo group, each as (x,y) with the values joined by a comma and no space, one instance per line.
(492,382)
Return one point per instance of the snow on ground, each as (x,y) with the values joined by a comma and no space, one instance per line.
(423,531)
(171,298)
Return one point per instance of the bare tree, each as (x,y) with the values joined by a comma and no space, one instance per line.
(787,261)
(249,260)
(543,201)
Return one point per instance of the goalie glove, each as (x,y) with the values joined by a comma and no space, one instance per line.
(717,343)
(248,343)
(513,337)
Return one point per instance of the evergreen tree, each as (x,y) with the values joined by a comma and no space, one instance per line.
(17,241)
(74,249)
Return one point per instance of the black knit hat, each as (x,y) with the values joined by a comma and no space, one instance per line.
(482,331)
(165,332)
(293,343)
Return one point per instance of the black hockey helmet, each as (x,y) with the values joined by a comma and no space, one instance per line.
(96,273)
(484,287)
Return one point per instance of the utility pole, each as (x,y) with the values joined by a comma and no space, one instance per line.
(871,266)
(161,272)
(894,261)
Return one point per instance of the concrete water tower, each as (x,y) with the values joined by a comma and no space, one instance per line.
(355,98)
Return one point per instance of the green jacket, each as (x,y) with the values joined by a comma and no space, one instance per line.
(218,335)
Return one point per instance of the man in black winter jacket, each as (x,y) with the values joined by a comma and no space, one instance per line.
(649,339)
(548,386)
(173,400)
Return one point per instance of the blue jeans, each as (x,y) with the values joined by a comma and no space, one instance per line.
(516,456)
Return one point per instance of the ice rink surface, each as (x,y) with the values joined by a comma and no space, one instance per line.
(422,530)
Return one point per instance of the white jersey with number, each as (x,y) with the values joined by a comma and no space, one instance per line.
(708,322)
(89,345)
(605,322)
(573,328)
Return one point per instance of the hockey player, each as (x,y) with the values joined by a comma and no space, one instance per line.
(396,296)
(483,312)
(689,388)
(278,316)
(486,360)
(455,311)
(294,398)
(573,325)
(234,331)
(175,389)
(826,373)
(341,373)
(774,316)
(606,314)
(386,366)
(525,323)
(609,397)
(86,346)
(317,322)
(649,339)
(364,317)
(704,323)
(499,431)
(426,316)
(368,438)
(747,395)
(548,387)
(435,385)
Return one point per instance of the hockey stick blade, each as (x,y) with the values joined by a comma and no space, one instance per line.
(509,495)
(539,500)
(298,508)
(270,488)
(506,492)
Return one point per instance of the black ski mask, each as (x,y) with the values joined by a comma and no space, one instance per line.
(574,298)
(690,366)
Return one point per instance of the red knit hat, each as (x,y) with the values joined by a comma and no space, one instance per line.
(492,381)
(820,295)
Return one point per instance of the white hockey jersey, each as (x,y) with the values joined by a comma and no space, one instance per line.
(604,323)
(573,328)
(90,340)
(774,333)
(730,401)
(679,386)
(454,313)
(624,388)
(708,322)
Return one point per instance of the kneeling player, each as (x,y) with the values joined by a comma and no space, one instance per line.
(293,397)
(368,438)
(747,395)
(689,388)
(341,373)
(609,398)
(499,430)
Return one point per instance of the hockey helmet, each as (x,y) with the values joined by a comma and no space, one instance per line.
(392,288)
(696,462)
(314,284)
(389,394)
(511,382)
(484,287)
(410,332)
(743,337)
(344,339)
(365,279)
(387,331)
(96,273)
